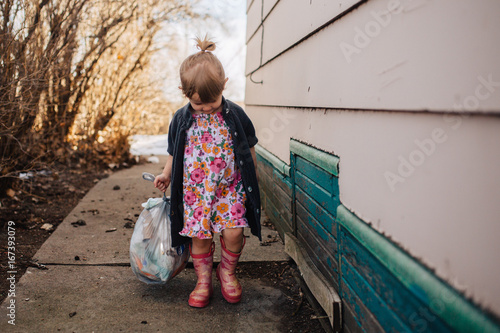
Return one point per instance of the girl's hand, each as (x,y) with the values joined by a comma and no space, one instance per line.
(162,182)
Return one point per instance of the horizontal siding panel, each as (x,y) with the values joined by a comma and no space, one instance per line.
(253,52)
(275,186)
(413,63)
(291,21)
(325,199)
(316,229)
(254,17)
(275,201)
(322,159)
(249,3)
(268,6)
(318,213)
(356,317)
(323,258)
(264,166)
(373,302)
(278,198)
(276,178)
(265,174)
(273,160)
(324,179)
(346,329)
(397,297)
(283,182)
(283,226)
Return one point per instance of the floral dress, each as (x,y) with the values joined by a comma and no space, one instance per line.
(214,197)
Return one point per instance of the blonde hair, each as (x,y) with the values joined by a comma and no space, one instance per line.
(203,73)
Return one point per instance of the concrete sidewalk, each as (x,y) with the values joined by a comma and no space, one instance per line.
(89,286)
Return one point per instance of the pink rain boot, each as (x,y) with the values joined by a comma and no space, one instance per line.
(230,287)
(203,263)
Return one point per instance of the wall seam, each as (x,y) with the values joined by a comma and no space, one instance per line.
(493,113)
(306,37)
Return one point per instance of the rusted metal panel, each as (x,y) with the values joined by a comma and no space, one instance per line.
(316,212)
(276,196)
(356,317)
(282,226)
(276,201)
(397,289)
(325,199)
(373,302)
(403,303)
(324,179)
(319,254)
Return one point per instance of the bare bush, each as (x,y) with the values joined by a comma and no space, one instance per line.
(75,77)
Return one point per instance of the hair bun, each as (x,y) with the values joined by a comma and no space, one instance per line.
(205,44)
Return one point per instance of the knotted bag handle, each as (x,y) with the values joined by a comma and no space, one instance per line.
(150,177)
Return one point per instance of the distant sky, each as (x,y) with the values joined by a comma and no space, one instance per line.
(227,27)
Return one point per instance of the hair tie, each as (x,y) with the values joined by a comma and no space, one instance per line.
(205,45)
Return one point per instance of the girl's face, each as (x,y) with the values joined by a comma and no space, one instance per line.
(206,108)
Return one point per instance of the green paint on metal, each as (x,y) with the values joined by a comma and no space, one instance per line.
(402,301)
(317,212)
(328,162)
(323,198)
(322,253)
(294,194)
(373,301)
(275,161)
(324,179)
(283,180)
(442,299)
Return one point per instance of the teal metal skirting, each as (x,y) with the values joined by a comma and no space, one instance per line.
(274,183)
(457,312)
(326,161)
(273,160)
(382,287)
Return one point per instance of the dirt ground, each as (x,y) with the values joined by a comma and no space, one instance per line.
(45,198)
(300,315)
(48,197)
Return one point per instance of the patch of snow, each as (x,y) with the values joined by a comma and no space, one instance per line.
(153,159)
(26,175)
(148,145)
(30,174)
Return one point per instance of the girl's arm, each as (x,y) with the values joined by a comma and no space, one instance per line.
(162,181)
(254,157)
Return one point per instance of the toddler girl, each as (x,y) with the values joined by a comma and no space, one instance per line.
(212,168)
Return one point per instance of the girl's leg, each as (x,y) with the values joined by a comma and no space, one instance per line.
(202,254)
(201,246)
(232,242)
(233,239)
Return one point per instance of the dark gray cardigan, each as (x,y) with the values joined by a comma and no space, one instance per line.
(243,135)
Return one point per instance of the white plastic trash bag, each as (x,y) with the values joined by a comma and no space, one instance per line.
(152,257)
